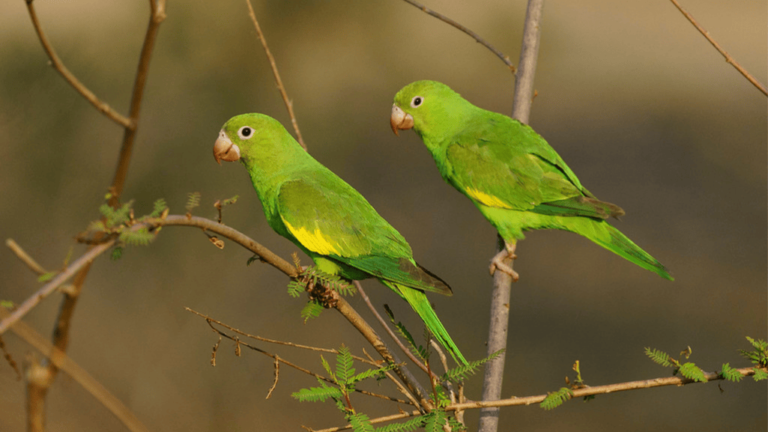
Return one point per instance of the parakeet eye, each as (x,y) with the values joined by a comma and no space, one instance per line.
(245,132)
(416,101)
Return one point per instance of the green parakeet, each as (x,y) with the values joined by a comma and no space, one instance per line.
(326,218)
(509,172)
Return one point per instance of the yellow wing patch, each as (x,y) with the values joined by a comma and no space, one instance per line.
(314,241)
(484,198)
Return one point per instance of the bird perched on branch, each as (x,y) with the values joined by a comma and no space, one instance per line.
(509,172)
(326,218)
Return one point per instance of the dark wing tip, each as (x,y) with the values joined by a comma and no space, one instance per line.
(432,279)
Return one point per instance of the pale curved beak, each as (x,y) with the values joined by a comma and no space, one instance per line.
(400,120)
(224,149)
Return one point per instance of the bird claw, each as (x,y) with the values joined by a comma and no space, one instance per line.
(497,263)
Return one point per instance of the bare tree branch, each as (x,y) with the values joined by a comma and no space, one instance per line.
(51,286)
(475,36)
(70,78)
(31,263)
(283,93)
(500,298)
(66,364)
(728,58)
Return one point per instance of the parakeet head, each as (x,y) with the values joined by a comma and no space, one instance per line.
(427,107)
(251,138)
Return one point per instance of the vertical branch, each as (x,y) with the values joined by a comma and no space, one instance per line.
(497,333)
(288,103)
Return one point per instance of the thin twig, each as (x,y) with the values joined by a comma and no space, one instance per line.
(297,367)
(277,376)
(66,364)
(51,286)
(400,387)
(8,358)
(475,36)
(288,103)
(70,78)
(728,58)
(31,263)
(587,391)
(502,290)
(277,342)
(392,334)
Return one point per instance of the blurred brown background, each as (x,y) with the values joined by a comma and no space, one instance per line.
(642,108)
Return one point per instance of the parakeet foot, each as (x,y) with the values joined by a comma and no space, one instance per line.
(497,262)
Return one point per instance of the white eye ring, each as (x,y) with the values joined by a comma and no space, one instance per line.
(417,101)
(245,132)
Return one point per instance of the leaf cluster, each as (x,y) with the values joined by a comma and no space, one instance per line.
(758,356)
(688,369)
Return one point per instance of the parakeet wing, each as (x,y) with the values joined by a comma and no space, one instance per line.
(330,218)
(502,163)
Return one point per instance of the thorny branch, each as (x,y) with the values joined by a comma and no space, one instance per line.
(728,58)
(579,393)
(475,36)
(283,93)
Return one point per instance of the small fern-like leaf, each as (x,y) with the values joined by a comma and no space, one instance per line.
(45,277)
(418,350)
(760,354)
(409,426)
(730,373)
(344,363)
(193,201)
(459,373)
(316,394)
(295,288)
(311,310)
(435,421)
(760,374)
(691,371)
(555,399)
(455,425)
(360,422)
(140,237)
(659,357)
(118,216)
(157,208)
(117,253)
(378,373)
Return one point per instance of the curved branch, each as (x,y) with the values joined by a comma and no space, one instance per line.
(728,58)
(475,36)
(71,79)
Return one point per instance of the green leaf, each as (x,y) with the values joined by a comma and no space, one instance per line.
(344,363)
(327,368)
(117,253)
(659,357)
(691,371)
(140,237)
(7,304)
(360,422)
(455,425)
(45,277)
(760,374)
(331,281)
(295,288)
(378,373)
(460,373)
(317,394)
(435,420)
(760,355)
(409,426)
(193,201)
(157,208)
(730,373)
(311,310)
(555,399)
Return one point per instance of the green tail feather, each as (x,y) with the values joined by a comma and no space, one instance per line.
(612,239)
(419,302)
